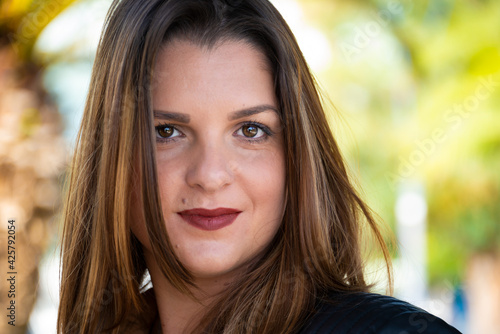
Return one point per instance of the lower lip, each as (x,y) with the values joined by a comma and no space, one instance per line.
(210,223)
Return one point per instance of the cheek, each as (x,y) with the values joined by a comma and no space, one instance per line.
(264,184)
(170,179)
(264,176)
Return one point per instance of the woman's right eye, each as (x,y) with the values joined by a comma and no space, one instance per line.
(166,132)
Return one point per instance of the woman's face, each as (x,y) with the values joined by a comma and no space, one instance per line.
(219,152)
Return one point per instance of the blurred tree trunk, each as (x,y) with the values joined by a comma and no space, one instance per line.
(31,160)
(32,156)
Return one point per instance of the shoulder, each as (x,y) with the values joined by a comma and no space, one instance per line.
(372,313)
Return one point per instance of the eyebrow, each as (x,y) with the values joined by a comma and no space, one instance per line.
(251,111)
(185,118)
(172,116)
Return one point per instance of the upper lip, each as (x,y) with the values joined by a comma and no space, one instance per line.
(209,213)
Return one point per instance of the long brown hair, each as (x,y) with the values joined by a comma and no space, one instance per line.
(317,248)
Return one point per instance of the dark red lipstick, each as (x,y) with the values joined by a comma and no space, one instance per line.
(210,220)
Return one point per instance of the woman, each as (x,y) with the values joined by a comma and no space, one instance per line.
(204,156)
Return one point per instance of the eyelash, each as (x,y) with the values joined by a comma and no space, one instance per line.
(267,132)
(163,139)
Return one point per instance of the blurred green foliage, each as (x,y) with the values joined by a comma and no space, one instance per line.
(419,85)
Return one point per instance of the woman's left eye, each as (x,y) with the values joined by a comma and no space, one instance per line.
(253,131)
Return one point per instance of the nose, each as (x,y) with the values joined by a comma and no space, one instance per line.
(211,168)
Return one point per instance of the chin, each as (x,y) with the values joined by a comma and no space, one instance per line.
(214,265)
(212,270)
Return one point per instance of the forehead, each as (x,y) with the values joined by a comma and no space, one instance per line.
(225,49)
(231,70)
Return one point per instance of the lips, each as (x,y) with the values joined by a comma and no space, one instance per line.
(210,220)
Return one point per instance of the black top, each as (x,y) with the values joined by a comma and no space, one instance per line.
(372,313)
(340,313)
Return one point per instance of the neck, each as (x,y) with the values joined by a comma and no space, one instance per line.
(178,312)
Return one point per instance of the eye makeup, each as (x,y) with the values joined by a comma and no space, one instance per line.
(166,132)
